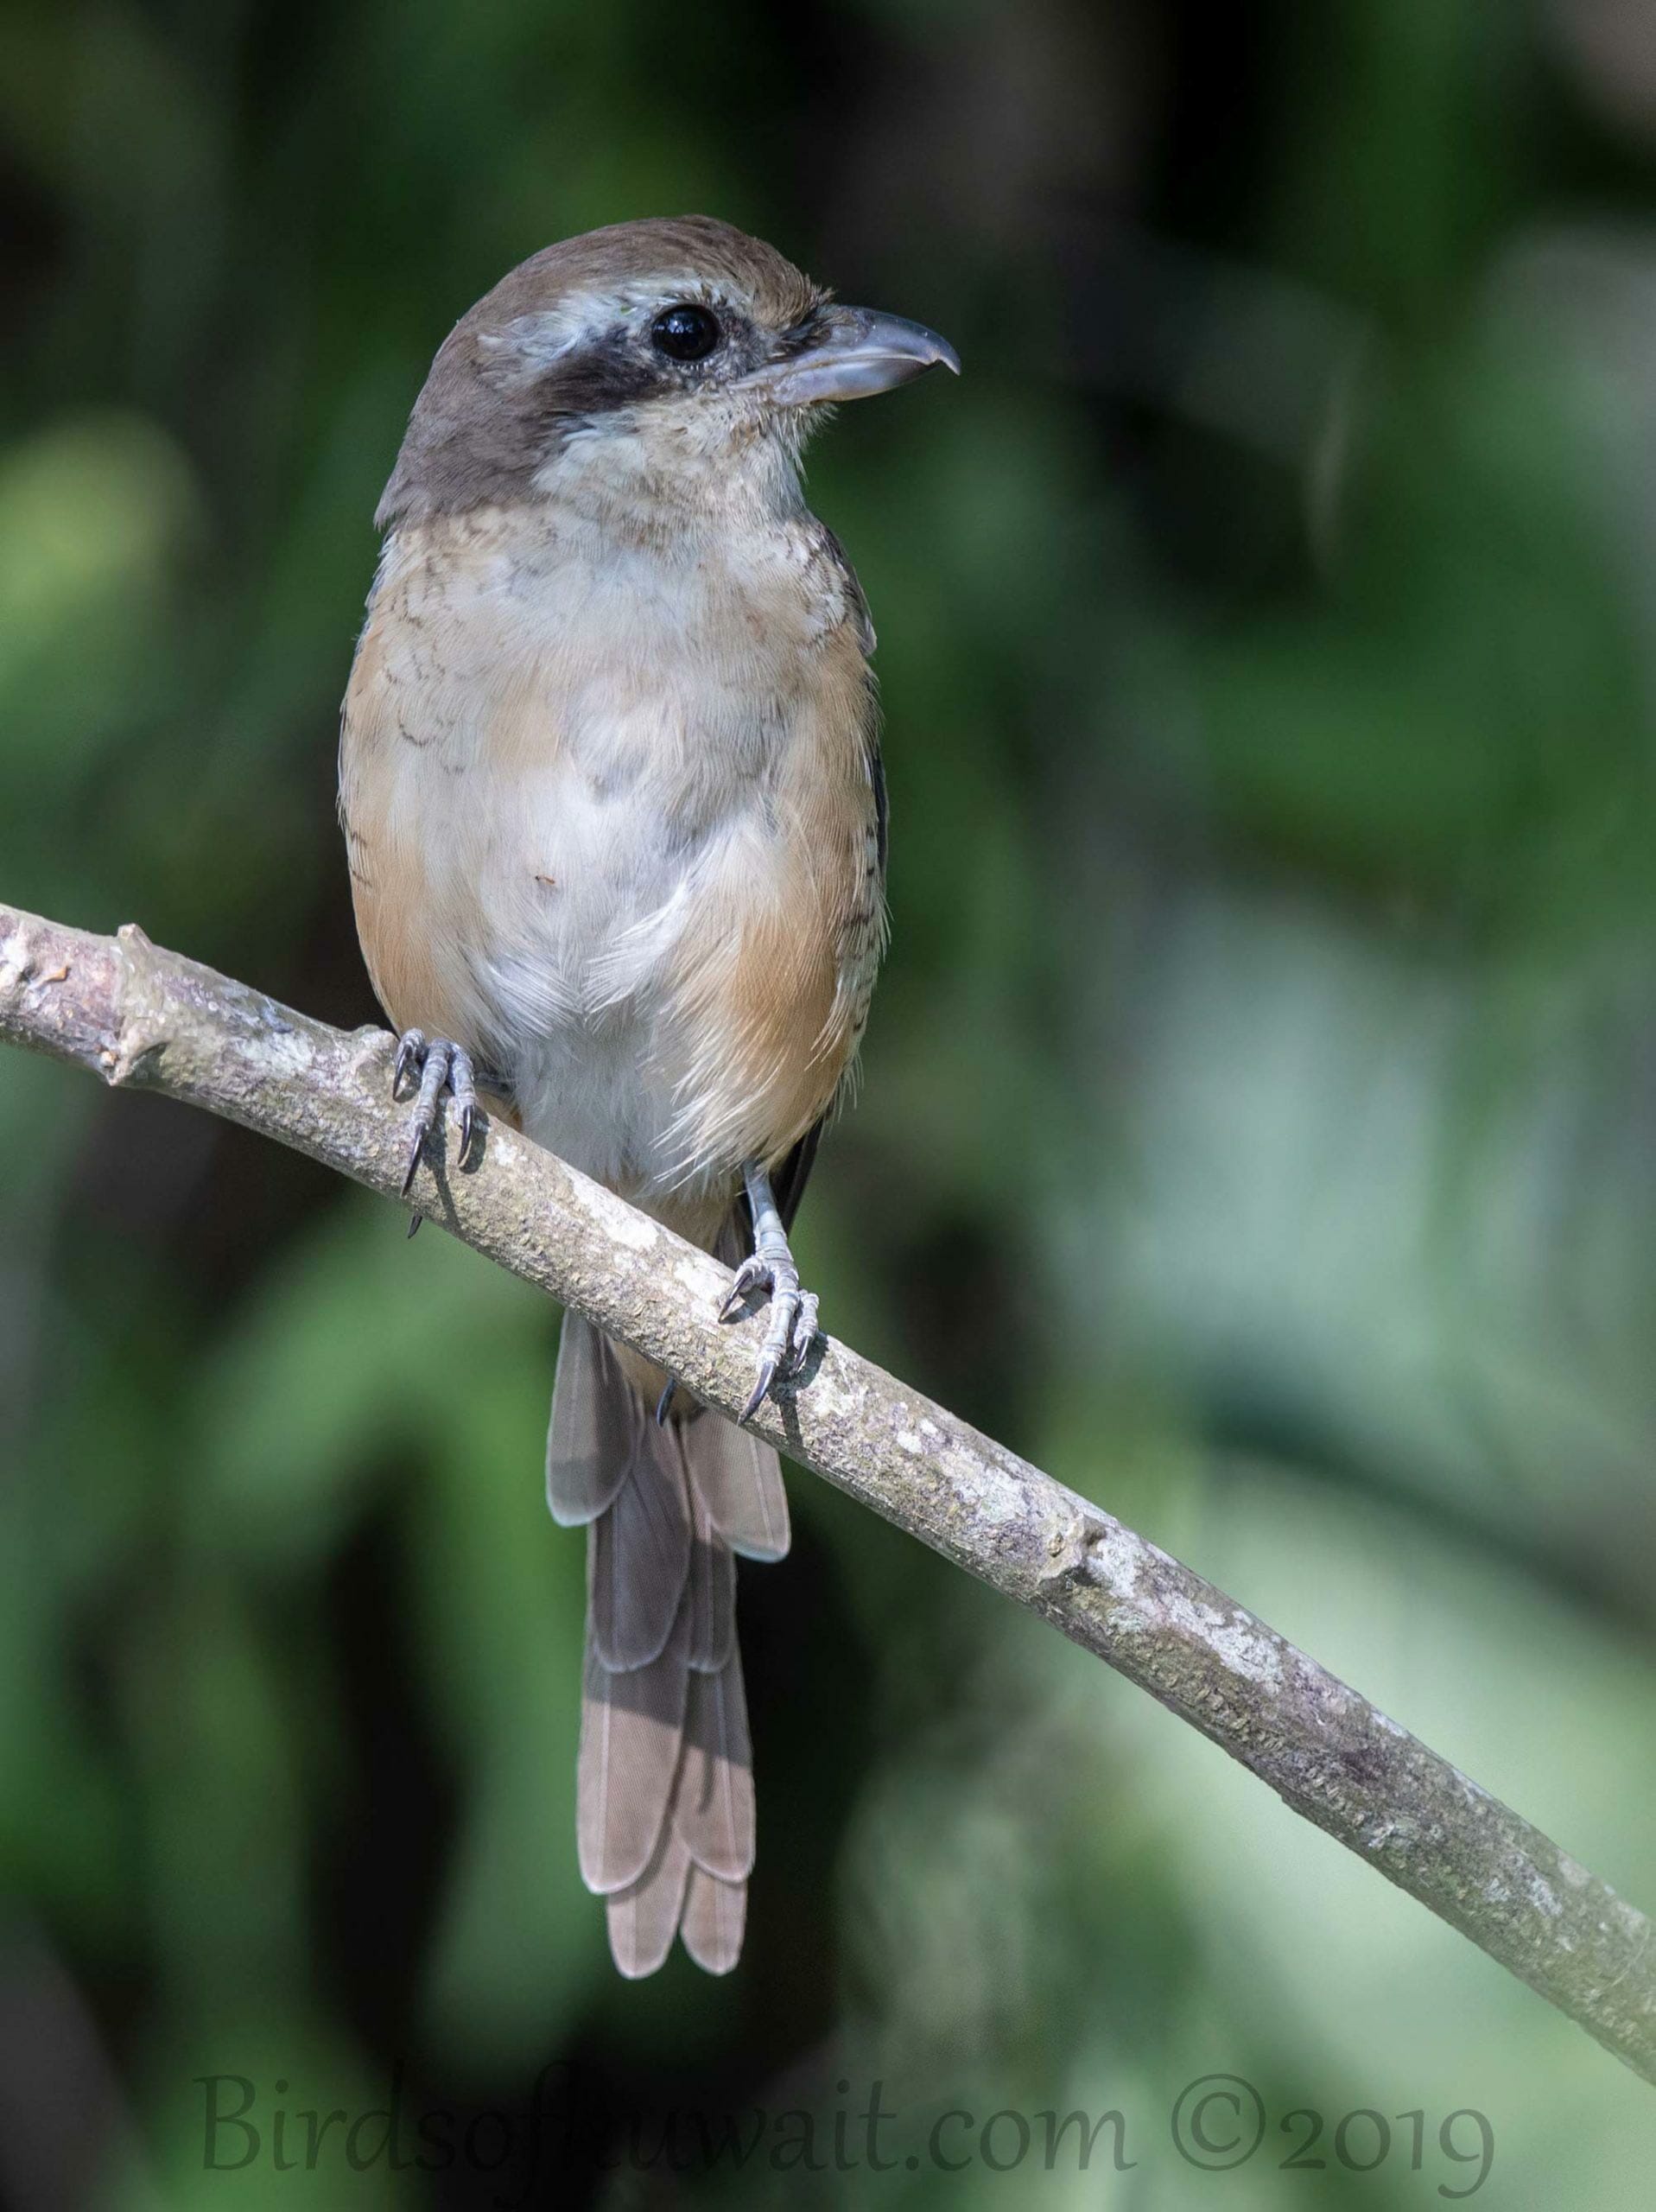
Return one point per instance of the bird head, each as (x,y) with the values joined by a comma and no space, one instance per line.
(661,364)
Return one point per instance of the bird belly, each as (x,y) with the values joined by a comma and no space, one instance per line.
(665,1017)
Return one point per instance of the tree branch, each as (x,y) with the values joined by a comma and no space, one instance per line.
(138,1016)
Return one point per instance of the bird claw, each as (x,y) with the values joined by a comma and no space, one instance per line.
(762,1388)
(793,1321)
(410,1052)
(749,1275)
(443,1065)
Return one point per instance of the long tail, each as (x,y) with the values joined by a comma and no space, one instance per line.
(664,1790)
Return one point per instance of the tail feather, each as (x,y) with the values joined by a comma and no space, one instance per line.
(587,1459)
(639,1556)
(632,1727)
(712,1805)
(713,1592)
(665,1786)
(741,1488)
(711,1923)
(643,1919)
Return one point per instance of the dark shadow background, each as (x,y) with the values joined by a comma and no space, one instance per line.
(1257,1124)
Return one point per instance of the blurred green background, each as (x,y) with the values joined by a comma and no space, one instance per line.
(1256,1127)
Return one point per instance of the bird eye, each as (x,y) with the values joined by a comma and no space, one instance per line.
(685,332)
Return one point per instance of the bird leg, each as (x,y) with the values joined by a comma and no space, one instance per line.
(793,1311)
(442,1066)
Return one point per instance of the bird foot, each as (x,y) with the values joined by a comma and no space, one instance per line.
(442,1066)
(793,1317)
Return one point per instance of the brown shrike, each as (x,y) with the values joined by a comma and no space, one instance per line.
(611,783)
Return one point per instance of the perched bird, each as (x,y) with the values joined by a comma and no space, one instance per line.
(611,785)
